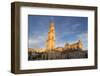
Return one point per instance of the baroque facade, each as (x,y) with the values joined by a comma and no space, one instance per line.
(75,46)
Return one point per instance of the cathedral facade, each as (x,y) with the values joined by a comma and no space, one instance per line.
(75,46)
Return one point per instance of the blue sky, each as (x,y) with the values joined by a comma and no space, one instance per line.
(67,29)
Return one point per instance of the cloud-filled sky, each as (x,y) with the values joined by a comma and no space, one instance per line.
(67,30)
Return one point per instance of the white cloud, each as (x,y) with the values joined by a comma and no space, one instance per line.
(75,26)
(83,36)
(68,32)
(33,41)
(60,43)
(37,41)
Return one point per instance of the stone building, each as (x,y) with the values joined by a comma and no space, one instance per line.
(60,49)
(50,43)
(75,46)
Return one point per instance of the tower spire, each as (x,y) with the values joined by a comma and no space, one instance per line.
(51,37)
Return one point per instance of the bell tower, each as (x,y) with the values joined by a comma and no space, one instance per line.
(50,44)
